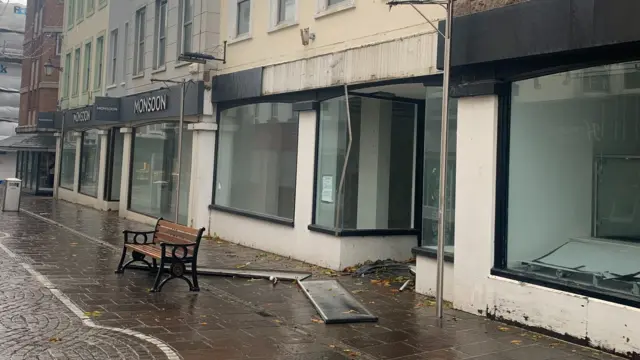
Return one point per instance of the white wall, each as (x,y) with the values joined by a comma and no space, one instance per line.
(299,242)
(605,324)
(426,281)
(8,165)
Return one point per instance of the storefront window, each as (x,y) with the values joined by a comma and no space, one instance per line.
(18,165)
(155,171)
(90,162)
(256,165)
(115,165)
(431,183)
(377,190)
(68,161)
(46,170)
(574,179)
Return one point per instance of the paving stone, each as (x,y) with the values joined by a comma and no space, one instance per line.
(228,319)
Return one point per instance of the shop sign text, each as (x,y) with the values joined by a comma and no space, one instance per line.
(150,104)
(81,116)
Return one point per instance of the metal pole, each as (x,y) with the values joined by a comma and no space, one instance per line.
(338,199)
(444,137)
(182,96)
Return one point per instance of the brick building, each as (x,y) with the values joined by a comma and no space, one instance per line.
(34,142)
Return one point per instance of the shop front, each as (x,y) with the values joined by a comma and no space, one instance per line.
(159,174)
(33,156)
(546,187)
(333,176)
(86,142)
(122,153)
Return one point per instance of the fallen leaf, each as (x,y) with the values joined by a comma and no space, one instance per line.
(516,342)
(395,291)
(350,312)
(503,329)
(242,266)
(332,346)
(277,321)
(317,321)
(357,291)
(203,323)
(55,339)
(92,313)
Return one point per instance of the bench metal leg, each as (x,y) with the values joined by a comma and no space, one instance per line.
(176,271)
(157,286)
(194,276)
(120,268)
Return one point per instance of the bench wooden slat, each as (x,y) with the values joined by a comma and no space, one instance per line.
(149,250)
(181,228)
(176,234)
(163,237)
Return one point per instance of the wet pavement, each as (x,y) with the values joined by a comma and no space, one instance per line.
(60,299)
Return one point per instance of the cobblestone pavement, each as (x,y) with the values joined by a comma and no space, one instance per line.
(230,318)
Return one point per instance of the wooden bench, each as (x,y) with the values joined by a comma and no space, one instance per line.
(172,244)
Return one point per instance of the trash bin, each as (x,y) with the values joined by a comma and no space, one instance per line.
(12,190)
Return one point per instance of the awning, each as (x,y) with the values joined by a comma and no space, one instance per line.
(29,142)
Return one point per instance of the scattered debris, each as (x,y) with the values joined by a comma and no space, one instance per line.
(55,339)
(503,328)
(516,342)
(334,303)
(92,313)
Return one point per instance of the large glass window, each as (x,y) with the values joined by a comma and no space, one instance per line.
(68,161)
(256,165)
(379,167)
(90,162)
(574,179)
(155,171)
(114,170)
(431,172)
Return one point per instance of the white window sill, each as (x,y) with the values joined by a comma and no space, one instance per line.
(139,76)
(239,38)
(282,26)
(335,9)
(181,64)
(159,70)
(123,84)
(112,86)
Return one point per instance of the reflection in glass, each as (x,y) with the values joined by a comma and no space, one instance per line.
(383,144)
(574,179)
(431,183)
(46,170)
(257,154)
(90,162)
(68,161)
(155,171)
(115,172)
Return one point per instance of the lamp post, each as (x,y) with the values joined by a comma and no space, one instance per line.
(444,136)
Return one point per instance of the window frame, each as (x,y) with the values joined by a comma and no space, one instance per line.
(91,7)
(248,213)
(77,58)
(125,54)
(71,13)
(183,23)
(139,44)
(86,76)
(99,63)
(79,11)
(276,23)
(323,8)
(81,168)
(160,41)
(59,39)
(113,60)
(233,19)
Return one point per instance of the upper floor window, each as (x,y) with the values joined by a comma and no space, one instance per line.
(91,5)
(71,6)
(334,5)
(97,81)
(283,12)
(87,67)
(160,44)
(185,26)
(66,74)
(138,51)
(80,10)
(76,72)
(243,17)
(113,66)
(58,43)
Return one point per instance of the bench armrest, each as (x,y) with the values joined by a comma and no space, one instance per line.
(178,251)
(138,237)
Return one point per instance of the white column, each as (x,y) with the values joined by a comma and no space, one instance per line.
(374,160)
(202,168)
(328,160)
(76,170)
(225,159)
(56,175)
(104,148)
(475,200)
(126,174)
(304,174)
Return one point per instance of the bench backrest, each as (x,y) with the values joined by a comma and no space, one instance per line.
(169,232)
